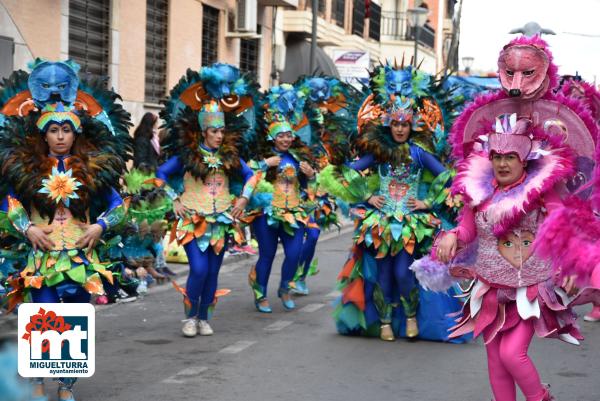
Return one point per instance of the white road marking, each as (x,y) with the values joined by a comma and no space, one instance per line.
(334,294)
(237,347)
(312,307)
(179,378)
(279,325)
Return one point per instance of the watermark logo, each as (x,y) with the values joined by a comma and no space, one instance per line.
(56,340)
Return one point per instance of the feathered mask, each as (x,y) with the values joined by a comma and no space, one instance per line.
(58,113)
(287,101)
(387,80)
(211,116)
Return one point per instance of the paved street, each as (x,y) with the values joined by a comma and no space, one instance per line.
(297,355)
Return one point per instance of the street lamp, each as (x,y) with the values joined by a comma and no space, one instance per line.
(417,17)
(468,63)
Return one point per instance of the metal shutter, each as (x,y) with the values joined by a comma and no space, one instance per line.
(358,17)
(156,50)
(374,21)
(89,27)
(210,35)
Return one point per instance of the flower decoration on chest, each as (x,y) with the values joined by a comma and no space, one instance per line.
(60,186)
(288,172)
(400,173)
(213,161)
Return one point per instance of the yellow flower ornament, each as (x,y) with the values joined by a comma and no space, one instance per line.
(60,187)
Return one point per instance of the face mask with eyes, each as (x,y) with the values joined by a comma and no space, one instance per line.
(319,90)
(220,80)
(398,82)
(53,82)
(286,102)
(523,71)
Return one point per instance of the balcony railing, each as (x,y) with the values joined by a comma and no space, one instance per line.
(395,26)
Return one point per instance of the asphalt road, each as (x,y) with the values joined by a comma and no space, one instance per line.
(297,355)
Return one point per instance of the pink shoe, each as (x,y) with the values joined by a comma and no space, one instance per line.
(102,300)
(249,250)
(594,315)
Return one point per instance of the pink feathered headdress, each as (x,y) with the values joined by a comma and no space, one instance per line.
(513,136)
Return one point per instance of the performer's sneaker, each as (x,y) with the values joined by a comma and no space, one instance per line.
(386,333)
(204,328)
(412,328)
(594,315)
(190,327)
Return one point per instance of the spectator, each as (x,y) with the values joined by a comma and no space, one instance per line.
(146,142)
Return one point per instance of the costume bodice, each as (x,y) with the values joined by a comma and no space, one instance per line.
(286,188)
(509,261)
(397,185)
(207,196)
(66,229)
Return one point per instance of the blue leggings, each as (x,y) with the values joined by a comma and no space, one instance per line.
(74,294)
(308,249)
(202,280)
(394,276)
(267,237)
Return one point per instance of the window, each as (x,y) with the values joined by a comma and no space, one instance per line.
(7,50)
(320,6)
(210,35)
(249,54)
(156,50)
(338,12)
(89,34)
(358,18)
(374,21)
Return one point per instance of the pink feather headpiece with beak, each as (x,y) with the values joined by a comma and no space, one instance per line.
(526,69)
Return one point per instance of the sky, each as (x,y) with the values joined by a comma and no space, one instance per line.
(485,25)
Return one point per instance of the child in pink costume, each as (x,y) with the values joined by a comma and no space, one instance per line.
(509,187)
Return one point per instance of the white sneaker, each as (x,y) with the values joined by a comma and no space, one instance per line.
(205,329)
(190,327)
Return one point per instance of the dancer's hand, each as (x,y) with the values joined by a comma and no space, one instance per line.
(307,170)
(39,238)
(179,209)
(377,200)
(273,161)
(90,237)
(568,285)
(446,249)
(239,207)
(416,204)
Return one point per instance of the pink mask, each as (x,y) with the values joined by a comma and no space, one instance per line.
(523,71)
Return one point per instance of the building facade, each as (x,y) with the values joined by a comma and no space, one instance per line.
(145,46)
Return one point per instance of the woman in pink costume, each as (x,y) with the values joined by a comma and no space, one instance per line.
(510,185)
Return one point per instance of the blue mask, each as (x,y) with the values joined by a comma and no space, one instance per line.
(219,79)
(398,82)
(54,81)
(319,90)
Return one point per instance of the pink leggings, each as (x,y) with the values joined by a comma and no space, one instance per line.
(508,363)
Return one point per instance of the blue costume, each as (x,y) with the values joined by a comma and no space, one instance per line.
(210,200)
(60,196)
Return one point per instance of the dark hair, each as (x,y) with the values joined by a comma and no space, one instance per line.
(144,130)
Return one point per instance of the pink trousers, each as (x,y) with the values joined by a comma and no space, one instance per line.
(508,363)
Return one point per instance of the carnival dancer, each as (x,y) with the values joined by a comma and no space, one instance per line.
(208,162)
(328,109)
(512,177)
(63,164)
(393,212)
(281,213)
(510,191)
